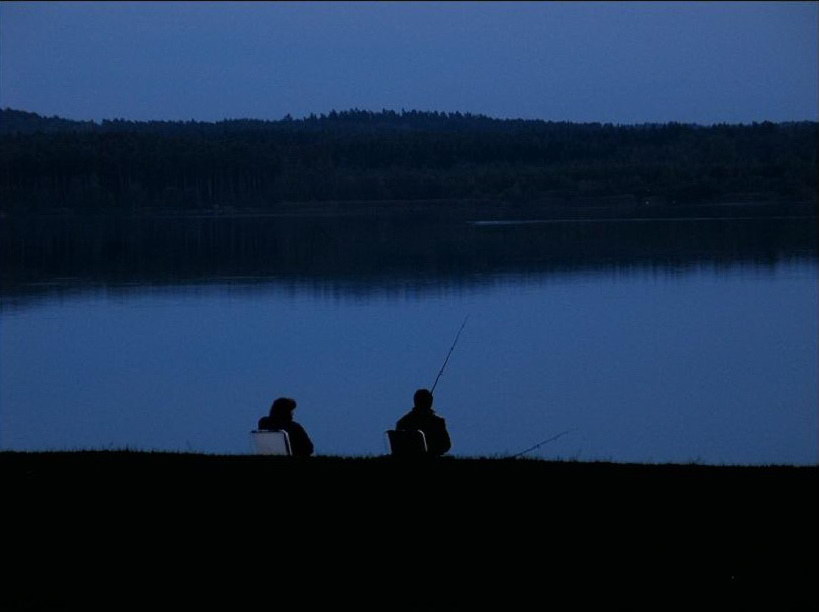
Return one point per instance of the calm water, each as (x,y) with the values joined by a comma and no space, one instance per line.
(649,341)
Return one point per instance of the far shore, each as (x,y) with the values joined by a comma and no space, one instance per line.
(599,207)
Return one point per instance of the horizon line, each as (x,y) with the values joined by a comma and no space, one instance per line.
(446,114)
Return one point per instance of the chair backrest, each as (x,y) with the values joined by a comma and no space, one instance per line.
(270,442)
(407,442)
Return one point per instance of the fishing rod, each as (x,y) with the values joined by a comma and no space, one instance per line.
(552,439)
(452,348)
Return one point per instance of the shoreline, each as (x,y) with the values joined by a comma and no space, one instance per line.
(602,208)
(323,531)
(88,455)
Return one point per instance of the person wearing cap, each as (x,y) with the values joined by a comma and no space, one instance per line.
(281,418)
(423,417)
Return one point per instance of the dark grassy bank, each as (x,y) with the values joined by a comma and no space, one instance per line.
(155,531)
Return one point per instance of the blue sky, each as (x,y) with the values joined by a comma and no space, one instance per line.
(617,62)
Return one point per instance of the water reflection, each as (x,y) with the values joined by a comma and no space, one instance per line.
(364,254)
(661,341)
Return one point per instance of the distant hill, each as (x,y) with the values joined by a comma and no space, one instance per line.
(22,122)
(53,163)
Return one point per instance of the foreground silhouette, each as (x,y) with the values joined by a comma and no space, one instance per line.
(281,418)
(423,417)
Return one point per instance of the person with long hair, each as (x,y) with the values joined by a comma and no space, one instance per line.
(281,418)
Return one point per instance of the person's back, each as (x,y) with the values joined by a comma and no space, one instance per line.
(423,417)
(281,418)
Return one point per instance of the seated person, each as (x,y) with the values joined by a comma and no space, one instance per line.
(281,418)
(423,417)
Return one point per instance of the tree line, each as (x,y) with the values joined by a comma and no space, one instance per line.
(49,163)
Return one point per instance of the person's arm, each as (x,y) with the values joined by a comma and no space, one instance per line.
(446,443)
(300,442)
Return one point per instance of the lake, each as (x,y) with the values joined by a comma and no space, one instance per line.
(629,340)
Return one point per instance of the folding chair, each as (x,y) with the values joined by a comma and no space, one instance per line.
(406,442)
(270,442)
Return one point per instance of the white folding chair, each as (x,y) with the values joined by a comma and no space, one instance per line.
(406,442)
(270,442)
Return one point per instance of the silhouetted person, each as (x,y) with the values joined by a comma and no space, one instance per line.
(281,417)
(423,417)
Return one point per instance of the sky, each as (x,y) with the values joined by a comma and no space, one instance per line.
(609,62)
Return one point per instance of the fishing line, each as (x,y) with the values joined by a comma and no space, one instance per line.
(552,439)
(452,348)
(441,371)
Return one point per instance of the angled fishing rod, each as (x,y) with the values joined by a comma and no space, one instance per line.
(539,444)
(452,348)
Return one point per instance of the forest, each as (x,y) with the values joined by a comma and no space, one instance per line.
(50,164)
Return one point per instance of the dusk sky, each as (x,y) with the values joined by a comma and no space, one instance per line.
(613,62)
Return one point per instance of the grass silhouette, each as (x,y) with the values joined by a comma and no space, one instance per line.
(147,530)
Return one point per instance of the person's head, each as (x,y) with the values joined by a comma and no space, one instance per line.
(282,408)
(422,399)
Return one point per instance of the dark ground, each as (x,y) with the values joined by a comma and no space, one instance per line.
(155,531)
